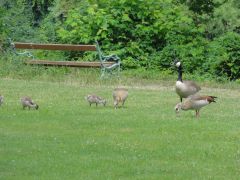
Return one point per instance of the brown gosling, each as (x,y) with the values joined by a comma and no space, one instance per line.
(184,88)
(27,102)
(93,99)
(119,95)
(195,102)
(1,99)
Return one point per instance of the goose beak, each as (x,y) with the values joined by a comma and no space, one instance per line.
(177,109)
(177,113)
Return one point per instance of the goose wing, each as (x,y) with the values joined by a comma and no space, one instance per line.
(192,85)
(210,99)
(28,100)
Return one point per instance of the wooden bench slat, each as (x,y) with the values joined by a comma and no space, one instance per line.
(68,63)
(68,47)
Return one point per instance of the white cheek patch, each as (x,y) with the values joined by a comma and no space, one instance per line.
(178,64)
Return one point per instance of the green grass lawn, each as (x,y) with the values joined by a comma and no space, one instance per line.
(67,139)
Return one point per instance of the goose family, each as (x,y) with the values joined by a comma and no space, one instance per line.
(184,88)
(195,102)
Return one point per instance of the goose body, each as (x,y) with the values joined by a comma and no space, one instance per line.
(195,102)
(93,99)
(185,88)
(28,102)
(119,96)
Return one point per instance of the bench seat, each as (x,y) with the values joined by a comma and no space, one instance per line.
(70,63)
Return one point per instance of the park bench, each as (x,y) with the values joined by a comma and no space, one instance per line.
(109,64)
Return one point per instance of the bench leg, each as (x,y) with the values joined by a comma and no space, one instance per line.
(106,72)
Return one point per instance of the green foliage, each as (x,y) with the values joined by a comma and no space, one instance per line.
(200,6)
(18,20)
(136,30)
(224,56)
(225,18)
(145,34)
(22,17)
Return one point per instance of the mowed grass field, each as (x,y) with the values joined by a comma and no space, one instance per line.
(67,139)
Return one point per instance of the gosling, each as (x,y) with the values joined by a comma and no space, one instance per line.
(27,102)
(119,96)
(194,102)
(1,99)
(93,99)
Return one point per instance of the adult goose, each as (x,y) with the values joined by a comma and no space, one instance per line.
(184,88)
(194,102)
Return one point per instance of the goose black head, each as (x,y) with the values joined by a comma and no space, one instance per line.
(176,63)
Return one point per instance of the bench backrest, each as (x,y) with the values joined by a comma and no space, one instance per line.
(67,47)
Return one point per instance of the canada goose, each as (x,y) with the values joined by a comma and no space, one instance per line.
(184,88)
(27,102)
(194,102)
(119,95)
(1,99)
(95,99)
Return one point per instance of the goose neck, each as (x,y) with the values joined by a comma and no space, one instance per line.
(180,73)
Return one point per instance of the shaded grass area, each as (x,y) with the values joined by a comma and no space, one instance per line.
(67,139)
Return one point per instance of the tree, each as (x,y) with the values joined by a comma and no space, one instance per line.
(226,18)
(223,56)
(138,30)
(200,6)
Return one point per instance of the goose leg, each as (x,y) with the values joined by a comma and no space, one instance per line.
(197,113)
(115,104)
(123,103)
(181,99)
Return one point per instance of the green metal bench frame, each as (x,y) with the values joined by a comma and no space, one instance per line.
(110,58)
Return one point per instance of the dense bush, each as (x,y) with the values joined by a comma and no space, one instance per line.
(145,34)
(224,56)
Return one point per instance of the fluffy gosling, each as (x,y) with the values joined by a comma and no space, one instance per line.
(1,99)
(119,96)
(93,99)
(27,102)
